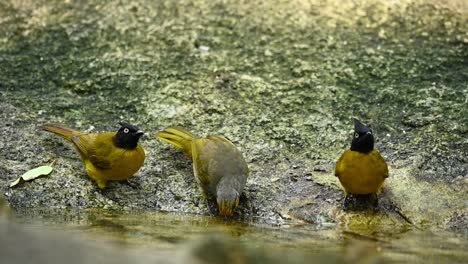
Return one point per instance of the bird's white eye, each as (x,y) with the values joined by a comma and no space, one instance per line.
(356,135)
(126,130)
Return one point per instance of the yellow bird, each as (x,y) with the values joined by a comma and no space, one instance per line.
(218,165)
(361,169)
(109,156)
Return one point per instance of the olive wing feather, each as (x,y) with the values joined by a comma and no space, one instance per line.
(97,148)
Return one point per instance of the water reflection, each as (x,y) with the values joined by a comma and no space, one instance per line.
(204,239)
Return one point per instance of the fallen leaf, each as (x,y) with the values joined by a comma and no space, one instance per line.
(33,174)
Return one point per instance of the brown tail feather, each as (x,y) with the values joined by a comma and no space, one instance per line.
(65,132)
(178,137)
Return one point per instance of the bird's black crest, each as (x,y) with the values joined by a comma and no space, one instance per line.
(359,127)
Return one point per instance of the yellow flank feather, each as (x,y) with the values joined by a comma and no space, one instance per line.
(361,173)
(178,137)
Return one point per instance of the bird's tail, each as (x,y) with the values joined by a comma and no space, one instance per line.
(178,137)
(65,132)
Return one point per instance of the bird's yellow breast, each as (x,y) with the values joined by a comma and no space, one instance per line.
(361,173)
(124,164)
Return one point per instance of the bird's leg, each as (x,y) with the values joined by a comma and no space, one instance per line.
(361,202)
(101,183)
(134,185)
(212,206)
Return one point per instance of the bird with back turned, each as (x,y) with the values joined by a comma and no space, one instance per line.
(218,165)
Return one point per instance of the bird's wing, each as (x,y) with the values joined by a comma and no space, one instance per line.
(340,166)
(98,148)
(221,139)
(100,162)
(226,160)
(381,161)
(83,143)
(202,150)
(233,155)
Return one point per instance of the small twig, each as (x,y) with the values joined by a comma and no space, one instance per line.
(404,216)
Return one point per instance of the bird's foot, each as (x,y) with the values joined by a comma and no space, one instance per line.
(101,184)
(361,202)
(212,207)
(134,185)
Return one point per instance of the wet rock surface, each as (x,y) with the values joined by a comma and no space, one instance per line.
(281,79)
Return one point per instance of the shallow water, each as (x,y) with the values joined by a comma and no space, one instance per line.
(147,235)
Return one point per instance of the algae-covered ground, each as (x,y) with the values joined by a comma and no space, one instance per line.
(281,79)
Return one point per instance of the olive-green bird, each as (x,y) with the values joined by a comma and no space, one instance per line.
(218,165)
(108,156)
(361,169)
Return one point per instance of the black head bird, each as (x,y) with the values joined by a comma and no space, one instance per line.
(363,139)
(127,137)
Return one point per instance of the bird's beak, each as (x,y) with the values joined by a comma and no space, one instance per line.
(139,133)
